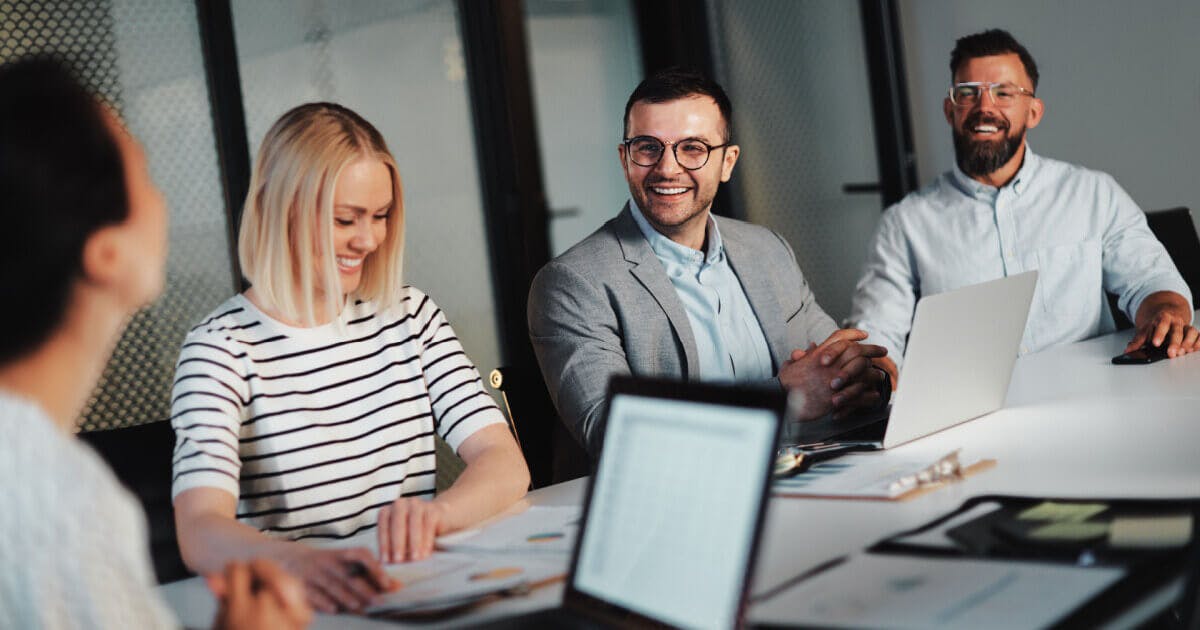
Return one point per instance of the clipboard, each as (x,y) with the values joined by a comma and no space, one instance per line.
(873,477)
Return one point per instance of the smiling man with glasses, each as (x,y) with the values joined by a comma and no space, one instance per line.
(667,289)
(1005,210)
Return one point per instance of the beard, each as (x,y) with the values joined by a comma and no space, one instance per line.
(977,158)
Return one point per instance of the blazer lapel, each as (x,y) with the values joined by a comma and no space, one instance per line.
(645,266)
(756,282)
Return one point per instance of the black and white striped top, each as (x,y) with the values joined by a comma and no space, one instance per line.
(315,429)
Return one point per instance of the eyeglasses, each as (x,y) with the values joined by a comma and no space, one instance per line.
(691,154)
(1003,94)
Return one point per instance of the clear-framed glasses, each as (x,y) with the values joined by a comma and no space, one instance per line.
(1003,94)
(691,153)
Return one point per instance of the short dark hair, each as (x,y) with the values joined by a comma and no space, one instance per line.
(61,179)
(675,83)
(991,42)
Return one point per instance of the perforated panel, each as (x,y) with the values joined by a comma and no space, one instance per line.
(796,73)
(82,32)
(144,57)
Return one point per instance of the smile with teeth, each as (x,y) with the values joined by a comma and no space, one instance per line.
(659,190)
(349,264)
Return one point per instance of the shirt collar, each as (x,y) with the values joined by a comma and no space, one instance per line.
(670,251)
(1019,183)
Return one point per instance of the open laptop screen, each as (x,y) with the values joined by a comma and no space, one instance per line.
(675,508)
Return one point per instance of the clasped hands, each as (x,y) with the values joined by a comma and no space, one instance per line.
(836,376)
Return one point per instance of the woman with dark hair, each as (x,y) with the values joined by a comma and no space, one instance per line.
(83,247)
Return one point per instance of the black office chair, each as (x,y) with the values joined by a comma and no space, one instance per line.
(141,457)
(1175,229)
(552,453)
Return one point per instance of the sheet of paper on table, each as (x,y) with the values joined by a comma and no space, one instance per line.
(911,592)
(447,580)
(537,529)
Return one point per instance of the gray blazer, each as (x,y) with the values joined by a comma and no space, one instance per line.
(606,307)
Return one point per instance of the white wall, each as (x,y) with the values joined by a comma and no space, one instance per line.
(1121,82)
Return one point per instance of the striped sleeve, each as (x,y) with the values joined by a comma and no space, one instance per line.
(461,405)
(207,405)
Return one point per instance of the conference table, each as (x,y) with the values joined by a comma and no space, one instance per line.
(1073,426)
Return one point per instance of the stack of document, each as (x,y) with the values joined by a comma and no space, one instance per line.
(510,556)
(448,580)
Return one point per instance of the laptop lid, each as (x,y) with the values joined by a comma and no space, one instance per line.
(960,356)
(674,510)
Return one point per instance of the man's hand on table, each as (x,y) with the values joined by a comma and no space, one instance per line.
(337,580)
(836,376)
(1164,318)
(258,594)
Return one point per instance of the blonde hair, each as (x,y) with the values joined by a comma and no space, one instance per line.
(285,244)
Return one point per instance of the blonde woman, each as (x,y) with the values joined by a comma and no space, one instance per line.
(305,409)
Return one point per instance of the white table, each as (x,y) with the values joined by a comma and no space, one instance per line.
(1073,426)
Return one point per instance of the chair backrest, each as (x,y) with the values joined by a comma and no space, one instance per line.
(552,453)
(141,458)
(1176,230)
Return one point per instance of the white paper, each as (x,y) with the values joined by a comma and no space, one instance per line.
(908,592)
(867,475)
(537,529)
(445,580)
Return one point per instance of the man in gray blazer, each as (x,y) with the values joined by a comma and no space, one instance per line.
(666,289)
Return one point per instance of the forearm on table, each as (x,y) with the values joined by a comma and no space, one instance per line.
(493,480)
(1156,302)
(209,541)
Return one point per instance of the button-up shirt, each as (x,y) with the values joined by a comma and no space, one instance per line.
(729,340)
(1076,226)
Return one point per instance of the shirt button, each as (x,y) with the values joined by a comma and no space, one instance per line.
(1024,349)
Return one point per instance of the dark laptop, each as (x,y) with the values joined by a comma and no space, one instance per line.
(674,510)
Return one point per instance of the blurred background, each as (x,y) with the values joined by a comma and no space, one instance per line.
(505,116)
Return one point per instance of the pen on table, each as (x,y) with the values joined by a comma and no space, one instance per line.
(356,569)
(807,455)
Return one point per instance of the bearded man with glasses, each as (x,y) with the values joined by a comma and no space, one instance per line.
(667,289)
(1005,210)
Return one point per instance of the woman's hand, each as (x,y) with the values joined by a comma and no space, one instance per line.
(408,528)
(337,579)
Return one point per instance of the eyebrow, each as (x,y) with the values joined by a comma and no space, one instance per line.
(697,138)
(362,209)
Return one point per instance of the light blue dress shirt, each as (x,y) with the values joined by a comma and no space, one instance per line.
(729,340)
(1076,226)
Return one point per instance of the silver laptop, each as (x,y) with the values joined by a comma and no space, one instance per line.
(674,510)
(961,352)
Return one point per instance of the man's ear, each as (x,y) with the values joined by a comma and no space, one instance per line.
(101,263)
(1037,109)
(621,156)
(948,110)
(731,157)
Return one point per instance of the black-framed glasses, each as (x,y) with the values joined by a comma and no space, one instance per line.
(1003,94)
(691,153)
